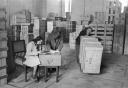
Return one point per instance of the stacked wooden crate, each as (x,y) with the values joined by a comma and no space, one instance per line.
(78,29)
(23,16)
(3,47)
(105,33)
(90,55)
(70,27)
(72,40)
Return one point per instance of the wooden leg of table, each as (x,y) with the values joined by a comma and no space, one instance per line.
(25,73)
(57,73)
(45,79)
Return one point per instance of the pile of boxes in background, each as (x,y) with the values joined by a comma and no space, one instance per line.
(90,54)
(3,48)
(73,36)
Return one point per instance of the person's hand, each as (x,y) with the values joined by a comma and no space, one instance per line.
(38,52)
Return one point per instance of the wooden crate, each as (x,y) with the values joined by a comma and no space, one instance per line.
(3,54)
(3,44)
(3,72)
(3,34)
(3,62)
(72,40)
(90,57)
(3,80)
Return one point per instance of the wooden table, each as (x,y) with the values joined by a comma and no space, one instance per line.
(50,60)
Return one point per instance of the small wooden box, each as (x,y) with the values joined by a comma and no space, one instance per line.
(50,59)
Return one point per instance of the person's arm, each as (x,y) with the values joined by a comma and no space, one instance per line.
(60,46)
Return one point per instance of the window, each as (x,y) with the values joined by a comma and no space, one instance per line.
(68,4)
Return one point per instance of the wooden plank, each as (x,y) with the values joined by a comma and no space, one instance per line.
(118,39)
(106,37)
(106,51)
(107,42)
(126,41)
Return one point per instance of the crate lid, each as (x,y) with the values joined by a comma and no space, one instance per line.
(90,46)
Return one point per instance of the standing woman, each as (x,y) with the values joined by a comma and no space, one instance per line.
(31,56)
(87,29)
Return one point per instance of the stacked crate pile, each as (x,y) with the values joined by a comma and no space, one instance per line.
(78,29)
(105,33)
(72,40)
(70,27)
(3,47)
(23,16)
(90,55)
(73,36)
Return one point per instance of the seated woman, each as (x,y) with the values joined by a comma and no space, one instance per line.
(55,43)
(31,56)
(55,40)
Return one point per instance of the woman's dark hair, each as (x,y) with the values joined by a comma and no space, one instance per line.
(57,33)
(37,39)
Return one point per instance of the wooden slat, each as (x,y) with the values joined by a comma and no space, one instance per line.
(2,77)
(107,42)
(3,49)
(118,39)
(106,37)
(4,67)
(107,51)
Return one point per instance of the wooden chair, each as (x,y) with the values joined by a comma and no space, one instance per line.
(19,51)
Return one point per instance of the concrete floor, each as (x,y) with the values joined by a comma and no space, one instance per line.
(114,74)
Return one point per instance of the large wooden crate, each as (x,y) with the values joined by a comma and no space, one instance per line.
(90,55)
(93,56)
